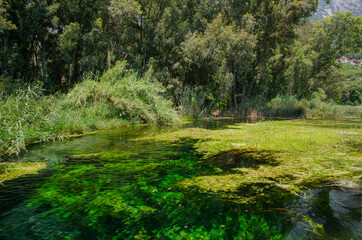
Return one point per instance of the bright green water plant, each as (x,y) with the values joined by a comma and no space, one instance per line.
(118,195)
(10,171)
(239,181)
(292,154)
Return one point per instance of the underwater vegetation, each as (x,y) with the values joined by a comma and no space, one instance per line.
(122,195)
(291,154)
(196,181)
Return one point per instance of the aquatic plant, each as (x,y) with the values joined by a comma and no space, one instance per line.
(10,171)
(289,154)
(142,200)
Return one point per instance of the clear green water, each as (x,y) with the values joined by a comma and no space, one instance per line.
(110,186)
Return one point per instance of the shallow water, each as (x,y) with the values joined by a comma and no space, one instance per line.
(111,186)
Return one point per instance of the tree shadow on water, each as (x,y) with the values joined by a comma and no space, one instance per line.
(124,194)
(230,160)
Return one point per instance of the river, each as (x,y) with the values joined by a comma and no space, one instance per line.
(112,185)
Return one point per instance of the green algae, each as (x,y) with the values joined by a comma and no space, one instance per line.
(310,151)
(9,171)
(227,182)
(145,201)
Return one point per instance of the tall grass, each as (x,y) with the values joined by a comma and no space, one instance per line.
(291,107)
(287,106)
(252,107)
(194,102)
(117,98)
(121,93)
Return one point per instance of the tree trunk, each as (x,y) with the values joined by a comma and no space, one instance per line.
(109,58)
(233,92)
(71,71)
(243,95)
(35,58)
(4,46)
(244,89)
(251,87)
(6,40)
(44,61)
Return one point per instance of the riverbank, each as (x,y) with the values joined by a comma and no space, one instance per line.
(291,107)
(118,98)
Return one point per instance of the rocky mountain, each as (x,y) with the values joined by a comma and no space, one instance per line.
(325,10)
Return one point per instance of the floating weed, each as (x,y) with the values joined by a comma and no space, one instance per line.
(141,198)
(197,183)
(307,150)
(10,171)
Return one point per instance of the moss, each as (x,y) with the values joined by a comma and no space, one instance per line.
(199,183)
(10,171)
(307,151)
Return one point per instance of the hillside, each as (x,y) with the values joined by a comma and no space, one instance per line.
(325,10)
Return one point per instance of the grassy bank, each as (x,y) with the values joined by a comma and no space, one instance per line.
(292,155)
(117,98)
(195,105)
(317,107)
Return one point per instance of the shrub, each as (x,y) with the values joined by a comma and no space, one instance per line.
(287,106)
(117,98)
(194,102)
(252,108)
(121,93)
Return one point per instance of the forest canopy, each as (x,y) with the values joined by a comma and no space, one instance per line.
(230,51)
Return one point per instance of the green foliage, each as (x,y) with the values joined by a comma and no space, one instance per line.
(352,94)
(21,117)
(137,199)
(292,107)
(311,65)
(287,106)
(121,93)
(195,103)
(119,97)
(4,23)
(206,54)
(227,49)
(253,107)
(317,107)
(202,44)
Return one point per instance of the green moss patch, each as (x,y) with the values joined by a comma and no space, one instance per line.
(10,171)
(294,154)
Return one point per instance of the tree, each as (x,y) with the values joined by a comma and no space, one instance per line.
(225,47)
(4,23)
(312,60)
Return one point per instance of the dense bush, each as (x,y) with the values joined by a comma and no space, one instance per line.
(352,94)
(194,103)
(287,106)
(317,107)
(291,107)
(117,98)
(121,93)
